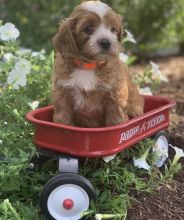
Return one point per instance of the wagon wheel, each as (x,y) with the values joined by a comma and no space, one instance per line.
(161,148)
(65,196)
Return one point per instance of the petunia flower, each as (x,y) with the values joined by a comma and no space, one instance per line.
(86,213)
(109,158)
(23,51)
(155,68)
(163,78)
(178,154)
(145,91)
(129,37)
(38,54)
(35,54)
(7,57)
(23,66)
(123,57)
(34,104)
(16,79)
(157,75)
(9,32)
(108,216)
(141,162)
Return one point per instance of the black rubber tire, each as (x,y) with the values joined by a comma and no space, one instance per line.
(61,179)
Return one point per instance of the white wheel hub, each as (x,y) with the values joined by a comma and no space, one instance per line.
(67,201)
(161,149)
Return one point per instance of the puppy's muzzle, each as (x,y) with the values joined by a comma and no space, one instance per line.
(104,43)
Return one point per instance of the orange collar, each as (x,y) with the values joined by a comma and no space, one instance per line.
(88,66)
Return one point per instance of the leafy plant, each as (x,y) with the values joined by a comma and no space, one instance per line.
(19,187)
(157,24)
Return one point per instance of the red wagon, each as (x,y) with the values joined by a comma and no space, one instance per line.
(65,196)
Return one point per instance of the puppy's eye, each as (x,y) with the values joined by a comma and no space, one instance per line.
(113,30)
(89,29)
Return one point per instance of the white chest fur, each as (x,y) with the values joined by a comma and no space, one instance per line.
(81,79)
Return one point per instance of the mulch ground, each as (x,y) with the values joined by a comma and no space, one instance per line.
(167,202)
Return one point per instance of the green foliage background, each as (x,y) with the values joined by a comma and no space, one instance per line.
(156,24)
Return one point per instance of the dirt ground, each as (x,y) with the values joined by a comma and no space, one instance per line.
(167,202)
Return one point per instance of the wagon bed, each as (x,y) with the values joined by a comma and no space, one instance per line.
(99,142)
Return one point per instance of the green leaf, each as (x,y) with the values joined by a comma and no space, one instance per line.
(10,183)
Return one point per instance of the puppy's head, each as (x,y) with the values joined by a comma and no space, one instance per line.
(93,32)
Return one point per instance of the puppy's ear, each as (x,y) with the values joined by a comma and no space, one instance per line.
(64,41)
(120,33)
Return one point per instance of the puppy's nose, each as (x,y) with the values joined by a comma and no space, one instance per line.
(104,43)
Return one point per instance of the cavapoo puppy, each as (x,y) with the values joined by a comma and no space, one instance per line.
(91,87)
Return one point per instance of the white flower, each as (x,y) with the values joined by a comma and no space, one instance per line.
(35,54)
(178,154)
(109,158)
(86,213)
(145,91)
(108,216)
(163,78)
(157,73)
(23,66)
(23,51)
(7,57)
(1,142)
(155,68)
(129,37)
(9,32)
(98,216)
(15,111)
(38,54)
(16,79)
(123,57)
(34,104)
(141,162)
(5,123)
